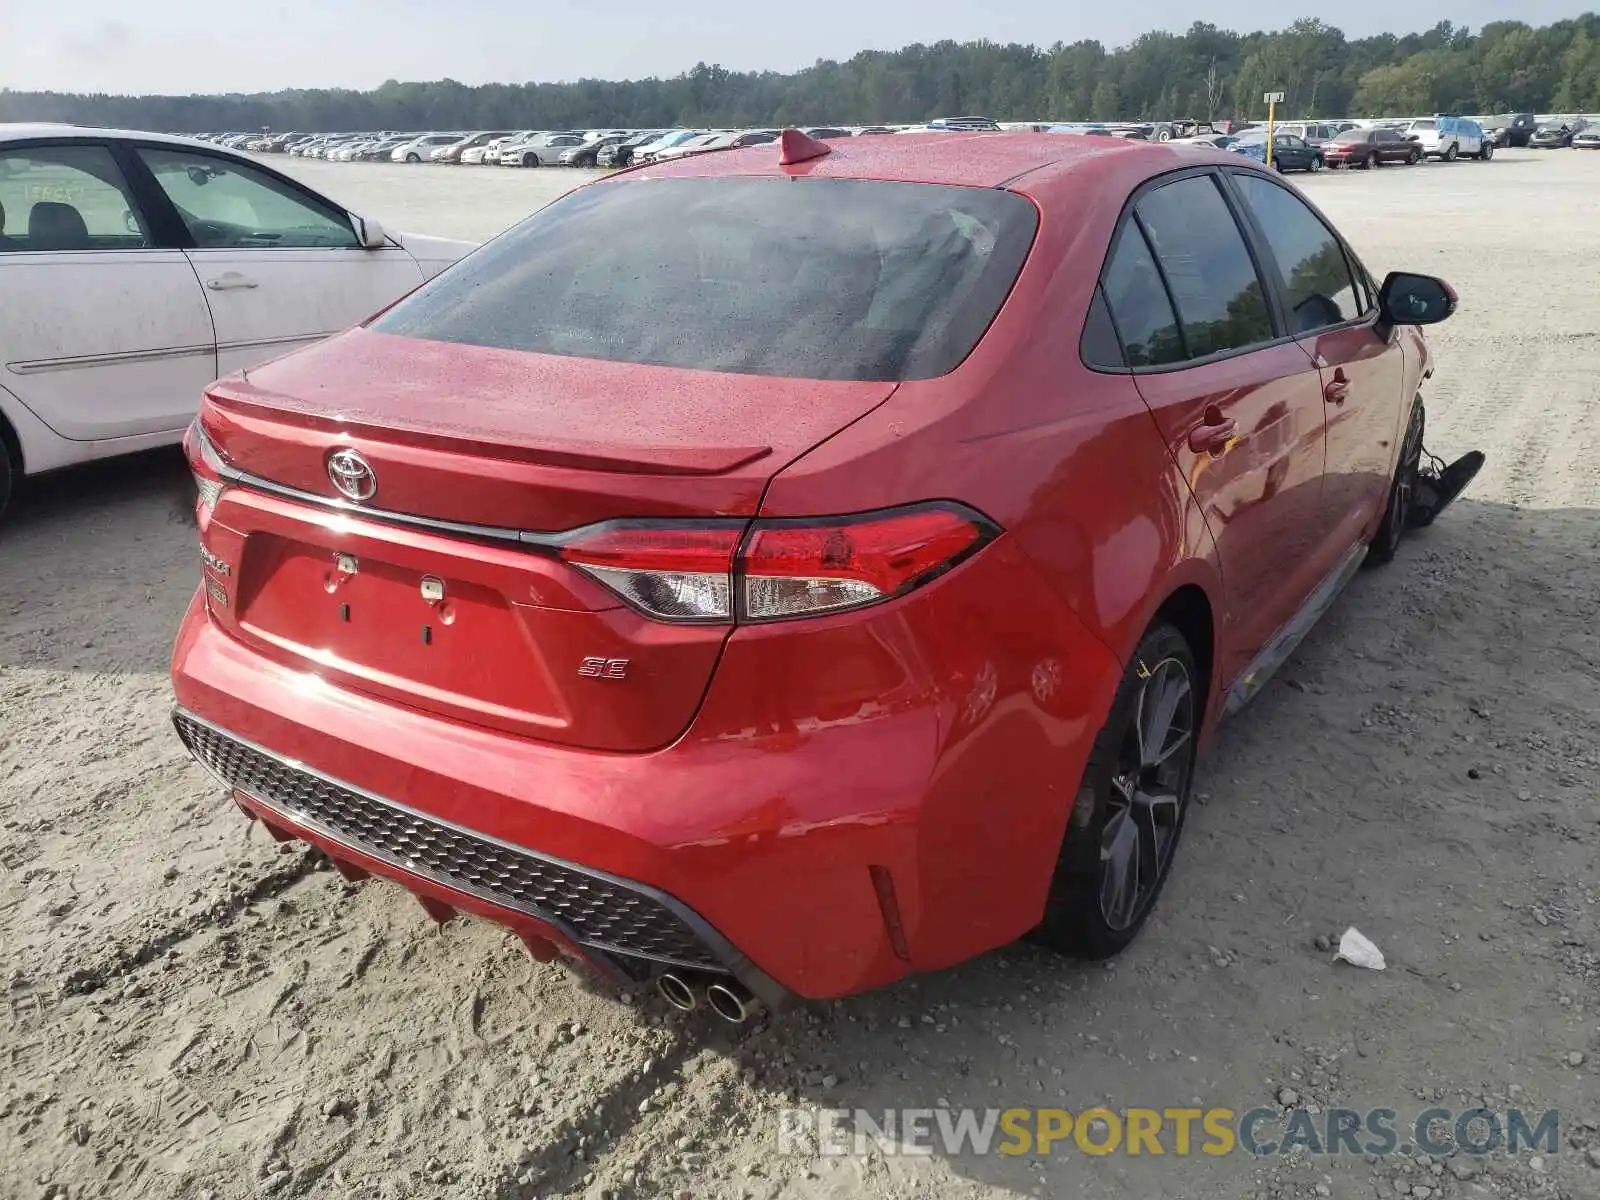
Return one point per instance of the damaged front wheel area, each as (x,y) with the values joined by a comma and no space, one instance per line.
(1436,485)
(1422,488)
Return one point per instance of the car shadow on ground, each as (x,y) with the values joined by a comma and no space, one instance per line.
(96,565)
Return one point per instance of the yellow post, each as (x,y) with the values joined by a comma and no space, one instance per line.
(1272,99)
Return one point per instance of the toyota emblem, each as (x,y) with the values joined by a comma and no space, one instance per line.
(351,475)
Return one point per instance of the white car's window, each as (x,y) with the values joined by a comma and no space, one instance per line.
(229,204)
(66,198)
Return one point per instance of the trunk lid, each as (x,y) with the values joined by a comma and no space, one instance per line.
(473,625)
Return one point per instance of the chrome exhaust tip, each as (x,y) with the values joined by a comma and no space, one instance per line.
(732,1002)
(676,992)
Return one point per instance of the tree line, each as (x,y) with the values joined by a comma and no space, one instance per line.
(1206,72)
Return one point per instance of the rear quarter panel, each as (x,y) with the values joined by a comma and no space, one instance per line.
(1100,530)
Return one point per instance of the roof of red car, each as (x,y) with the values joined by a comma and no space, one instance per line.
(973,159)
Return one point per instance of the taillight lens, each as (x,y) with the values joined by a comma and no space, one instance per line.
(206,465)
(674,572)
(797,568)
(787,568)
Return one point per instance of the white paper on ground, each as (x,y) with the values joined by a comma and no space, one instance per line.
(1355,949)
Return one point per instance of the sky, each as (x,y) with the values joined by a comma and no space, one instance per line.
(183,46)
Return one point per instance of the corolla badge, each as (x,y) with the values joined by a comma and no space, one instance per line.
(351,475)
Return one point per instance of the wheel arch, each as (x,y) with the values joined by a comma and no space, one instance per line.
(11,446)
(1188,609)
(11,439)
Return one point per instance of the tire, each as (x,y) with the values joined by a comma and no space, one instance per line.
(413,158)
(1453,153)
(531,160)
(1413,158)
(1486,152)
(1164,135)
(1124,816)
(1373,160)
(1401,486)
(1316,164)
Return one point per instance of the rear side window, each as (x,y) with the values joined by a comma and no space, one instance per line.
(1318,288)
(806,278)
(1139,303)
(1207,267)
(1099,347)
(66,198)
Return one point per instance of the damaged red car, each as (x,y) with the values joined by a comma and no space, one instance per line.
(772,573)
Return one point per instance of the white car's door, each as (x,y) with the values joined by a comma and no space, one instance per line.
(281,266)
(103,335)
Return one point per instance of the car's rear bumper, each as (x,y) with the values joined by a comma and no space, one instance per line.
(859,796)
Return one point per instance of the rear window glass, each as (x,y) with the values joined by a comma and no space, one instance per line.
(807,278)
(1422,125)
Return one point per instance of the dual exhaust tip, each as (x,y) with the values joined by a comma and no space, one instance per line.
(726,997)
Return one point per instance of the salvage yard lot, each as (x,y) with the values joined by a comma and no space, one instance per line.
(191,1009)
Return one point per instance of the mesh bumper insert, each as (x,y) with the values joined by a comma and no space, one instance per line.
(597,911)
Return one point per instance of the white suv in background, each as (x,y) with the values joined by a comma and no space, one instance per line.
(1449,138)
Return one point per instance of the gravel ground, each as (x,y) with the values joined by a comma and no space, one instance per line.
(193,1011)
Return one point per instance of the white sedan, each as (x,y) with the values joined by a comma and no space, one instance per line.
(136,268)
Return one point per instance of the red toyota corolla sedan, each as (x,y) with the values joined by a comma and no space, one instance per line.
(779,571)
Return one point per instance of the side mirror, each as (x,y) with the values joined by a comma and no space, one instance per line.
(369,233)
(1415,299)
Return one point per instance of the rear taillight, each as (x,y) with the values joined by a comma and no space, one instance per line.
(785,568)
(206,465)
(674,572)
(795,568)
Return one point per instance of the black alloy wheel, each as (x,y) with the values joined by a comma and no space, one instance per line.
(1123,832)
(1148,791)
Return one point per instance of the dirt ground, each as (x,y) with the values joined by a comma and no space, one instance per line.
(193,1011)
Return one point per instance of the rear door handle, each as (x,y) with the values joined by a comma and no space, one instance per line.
(1337,388)
(231,281)
(1212,437)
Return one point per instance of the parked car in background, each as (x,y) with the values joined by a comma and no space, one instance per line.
(588,154)
(965,124)
(1290,152)
(1081,128)
(380,151)
(647,152)
(1513,129)
(452,152)
(699,142)
(493,149)
(827,133)
(1557,134)
(1217,141)
(901,614)
(135,268)
(1448,137)
(739,139)
(541,150)
(1364,148)
(621,154)
(419,148)
(1587,138)
(1315,133)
